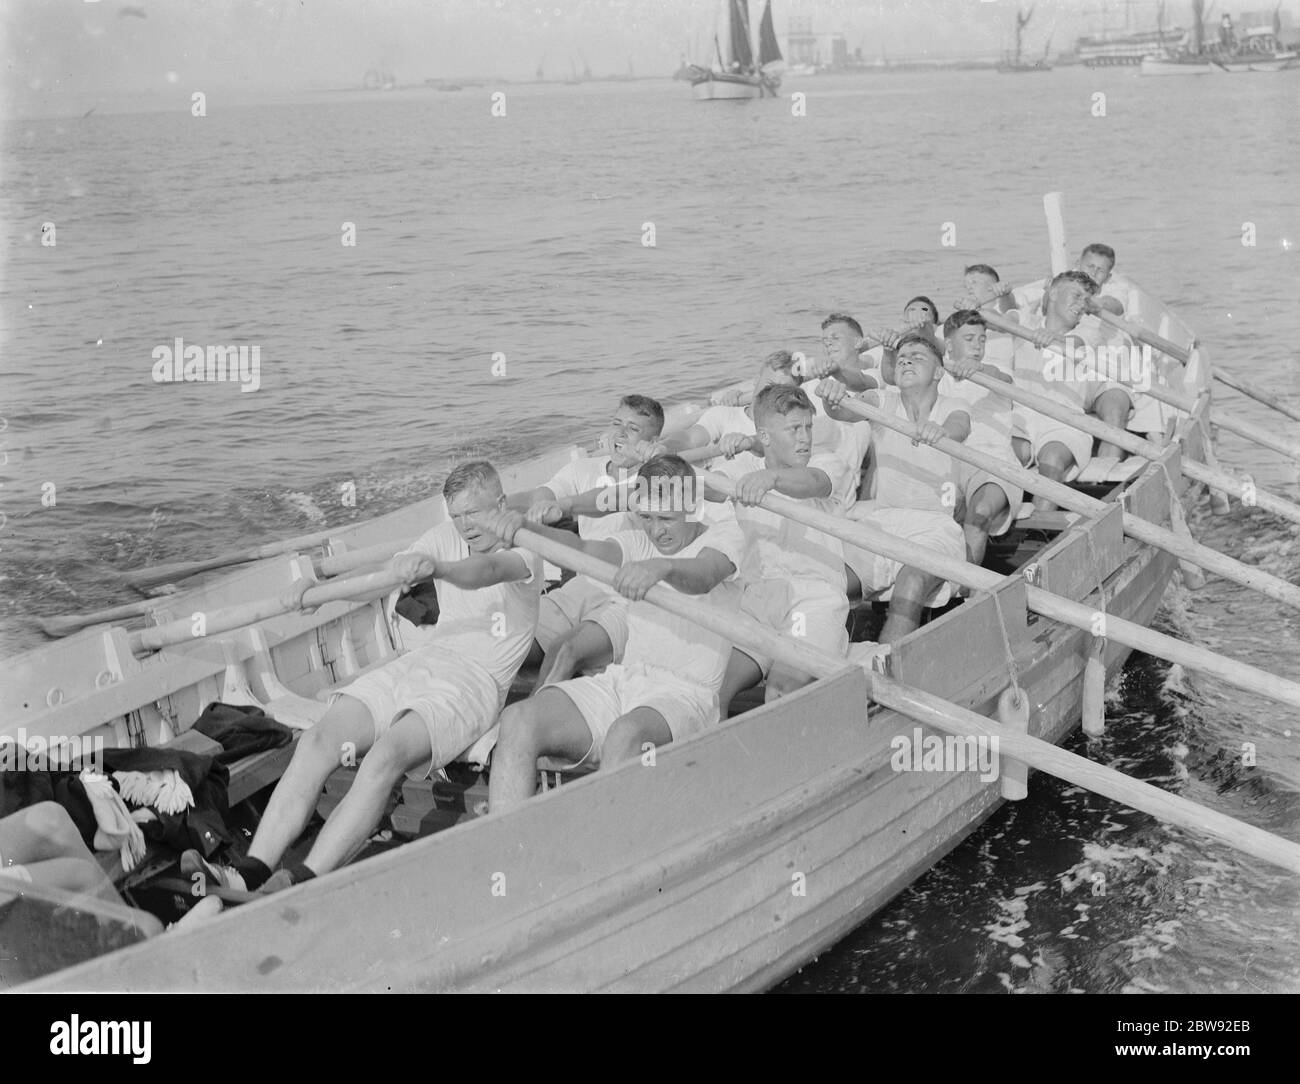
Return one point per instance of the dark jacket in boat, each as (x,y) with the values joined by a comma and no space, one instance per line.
(241,731)
(419,605)
(202,826)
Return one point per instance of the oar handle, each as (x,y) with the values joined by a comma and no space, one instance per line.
(229,618)
(735,628)
(1030,481)
(1142,335)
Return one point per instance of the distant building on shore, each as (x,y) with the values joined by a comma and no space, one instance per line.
(804,46)
(1106,50)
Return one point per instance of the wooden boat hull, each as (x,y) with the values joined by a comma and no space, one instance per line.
(726,865)
(1157,66)
(718,87)
(1231,65)
(605,885)
(1277,62)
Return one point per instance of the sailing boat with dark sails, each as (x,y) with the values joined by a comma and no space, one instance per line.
(738,75)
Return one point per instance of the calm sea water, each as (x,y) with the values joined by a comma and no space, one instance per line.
(522,236)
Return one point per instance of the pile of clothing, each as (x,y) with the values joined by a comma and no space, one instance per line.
(168,796)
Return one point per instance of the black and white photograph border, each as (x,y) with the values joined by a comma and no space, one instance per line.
(650,496)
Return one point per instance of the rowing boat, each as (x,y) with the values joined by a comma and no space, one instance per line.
(726,864)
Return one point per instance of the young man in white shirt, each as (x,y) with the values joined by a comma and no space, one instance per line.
(422,709)
(666,688)
(732,428)
(988,504)
(582,624)
(1062,450)
(914,486)
(794,575)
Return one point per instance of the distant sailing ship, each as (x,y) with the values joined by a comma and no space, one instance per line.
(738,76)
(1014,65)
(1259,50)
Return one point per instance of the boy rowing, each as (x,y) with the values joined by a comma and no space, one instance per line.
(666,687)
(914,488)
(582,624)
(794,575)
(1062,450)
(421,710)
(988,504)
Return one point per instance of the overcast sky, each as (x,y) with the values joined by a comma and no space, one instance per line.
(107,46)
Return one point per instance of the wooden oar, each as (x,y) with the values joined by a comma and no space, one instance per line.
(179,570)
(228,618)
(1032,482)
(1224,376)
(66,624)
(1061,262)
(924,707)
(1068,612)
(1254,391)
(1122,438)
(1250,430)
(332,565)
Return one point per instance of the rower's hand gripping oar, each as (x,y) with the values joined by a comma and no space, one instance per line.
(916,704)
(1052,207)
(1245,491)
(1134,526)
(1058,608)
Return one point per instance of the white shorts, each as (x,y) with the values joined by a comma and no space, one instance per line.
(970,478)
(809,611)
(1042,430)
(582,599)
(687,708)
(931,530)
(455,697)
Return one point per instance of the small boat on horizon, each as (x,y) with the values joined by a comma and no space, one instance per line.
(1014,65)
(738,75)
(1258,49)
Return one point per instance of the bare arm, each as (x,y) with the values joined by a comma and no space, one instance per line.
(524,500)
(483,570)
(799,482)
(957,426)
(689,575)
(681,439)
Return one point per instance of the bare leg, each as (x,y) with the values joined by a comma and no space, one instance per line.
(546,724)
(629,732)
(742,673)
(1054,462)
(405,745)
(907,603)
(986,507)
(43,839)
(345,733)
(782,681)
(1113,407)
(586,647)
